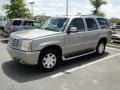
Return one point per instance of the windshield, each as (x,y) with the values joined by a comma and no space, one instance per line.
(55,24)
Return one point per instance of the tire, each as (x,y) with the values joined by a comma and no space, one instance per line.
(100,48)
(49,60)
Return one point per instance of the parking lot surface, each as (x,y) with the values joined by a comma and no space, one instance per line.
(85,73)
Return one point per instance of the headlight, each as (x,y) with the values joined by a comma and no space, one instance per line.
(26,45)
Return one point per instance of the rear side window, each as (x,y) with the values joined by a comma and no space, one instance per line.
(28,23)
(25,23)
(78,22)
(16,22)
(103,23)
(31,23)
(91,24)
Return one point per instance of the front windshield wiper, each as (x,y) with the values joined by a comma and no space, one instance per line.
(47,28)
(50,29)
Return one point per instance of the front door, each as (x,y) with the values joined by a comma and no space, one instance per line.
(75,41)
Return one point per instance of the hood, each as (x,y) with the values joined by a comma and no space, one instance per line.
(34,33)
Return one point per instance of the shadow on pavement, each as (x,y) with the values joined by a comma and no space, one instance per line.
(4,41)
(23,73)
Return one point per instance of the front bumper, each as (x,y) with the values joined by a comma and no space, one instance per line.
(30,58)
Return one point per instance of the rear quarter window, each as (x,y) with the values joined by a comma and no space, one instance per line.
(28,23)
(103,23)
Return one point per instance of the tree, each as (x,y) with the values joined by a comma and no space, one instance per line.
(97,4)
(3,18)
(17,9)
(115,21)
(101,14)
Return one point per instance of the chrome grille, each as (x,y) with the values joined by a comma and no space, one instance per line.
(15,42)
(115,37)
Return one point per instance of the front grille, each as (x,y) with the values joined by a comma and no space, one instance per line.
(15,42)
(114,37)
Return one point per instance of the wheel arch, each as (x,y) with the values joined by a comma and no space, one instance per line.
(103,39)
(56,47)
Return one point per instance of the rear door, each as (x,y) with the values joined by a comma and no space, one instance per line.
(92,33)
(105,30)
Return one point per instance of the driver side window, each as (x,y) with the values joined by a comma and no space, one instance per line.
(78,23)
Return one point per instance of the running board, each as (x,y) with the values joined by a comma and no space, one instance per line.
(65,59)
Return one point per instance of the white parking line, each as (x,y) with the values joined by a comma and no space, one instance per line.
(83,66)
(57,75)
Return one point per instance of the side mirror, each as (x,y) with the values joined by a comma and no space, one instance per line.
(72,30)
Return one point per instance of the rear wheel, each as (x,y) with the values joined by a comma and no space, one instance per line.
(49,60)
(100,48)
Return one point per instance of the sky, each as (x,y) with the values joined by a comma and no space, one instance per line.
(58,7)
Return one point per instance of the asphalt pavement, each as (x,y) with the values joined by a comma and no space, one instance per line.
(85,73)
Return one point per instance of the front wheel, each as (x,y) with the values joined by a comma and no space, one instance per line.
(100,48)
(49,60)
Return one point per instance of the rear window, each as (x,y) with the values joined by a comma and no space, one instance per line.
(16,22)
(103,23)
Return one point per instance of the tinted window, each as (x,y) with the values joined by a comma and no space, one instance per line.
(78,22)
(103,23)
(28,23)
(31,23)
(91,24)
(25,23)
(16,22)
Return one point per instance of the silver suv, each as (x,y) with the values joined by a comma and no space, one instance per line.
(18,25)
(60,38)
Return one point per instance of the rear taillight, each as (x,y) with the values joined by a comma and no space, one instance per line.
(10,28)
